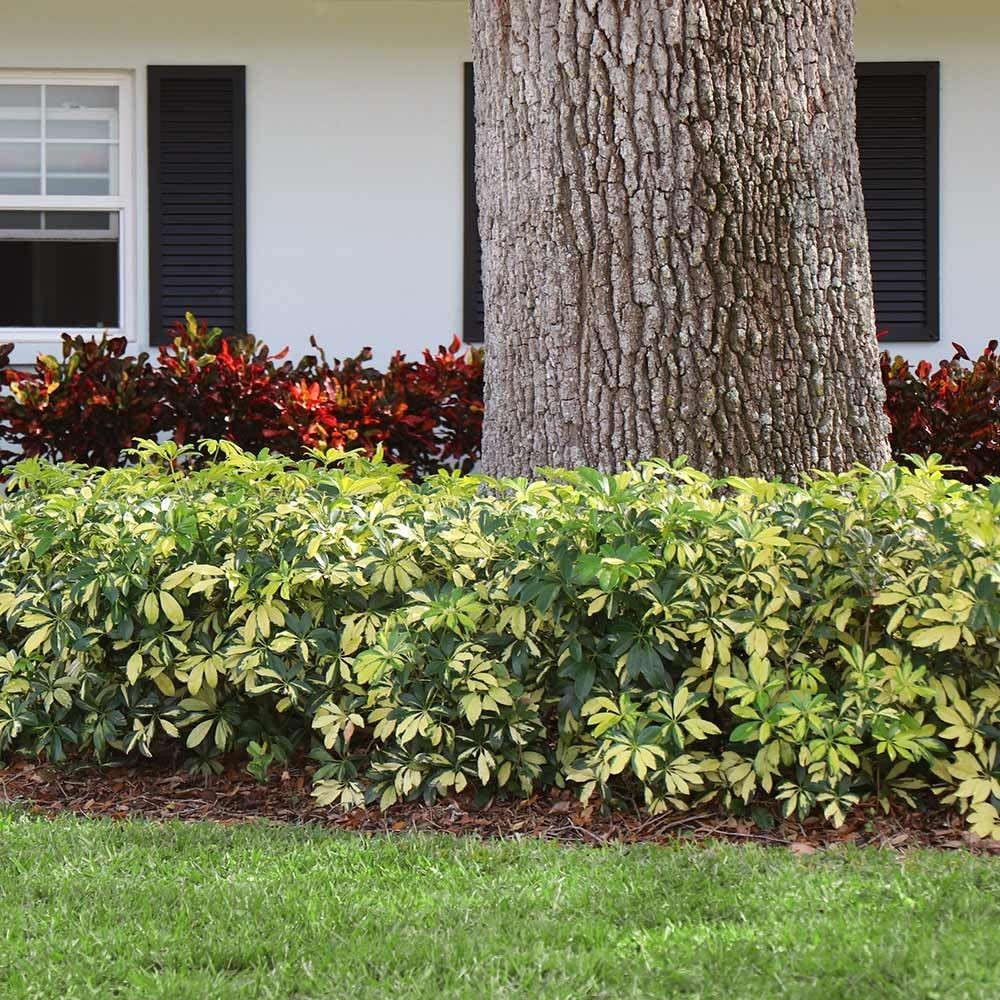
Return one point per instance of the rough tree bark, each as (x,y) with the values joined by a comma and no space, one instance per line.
(675,254)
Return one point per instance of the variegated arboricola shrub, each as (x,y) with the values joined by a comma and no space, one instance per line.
(653,634)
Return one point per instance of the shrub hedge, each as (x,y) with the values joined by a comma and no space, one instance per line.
(91,404)
(94,401)
(654,634)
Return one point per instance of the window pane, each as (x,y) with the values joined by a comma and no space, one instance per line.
(74,96)
(19,128)
(81,112)
(69,127)
(19,221)
(79,168)
(20,112)
(72,186)
(21,95)
(20,168)
(105,223)
(87,226)
(64,284)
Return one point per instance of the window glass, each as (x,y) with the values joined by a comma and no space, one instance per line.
(79,168)
(59,270)
(81,113)
(78,97)
(20,168)
(15,222)
(80,140)
(20,111)
(87,222)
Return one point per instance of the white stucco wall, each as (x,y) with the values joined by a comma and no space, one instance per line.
(355,147)
(964,36)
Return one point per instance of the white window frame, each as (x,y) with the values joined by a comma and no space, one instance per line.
(28,340)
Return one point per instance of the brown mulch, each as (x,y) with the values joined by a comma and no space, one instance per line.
(160,792)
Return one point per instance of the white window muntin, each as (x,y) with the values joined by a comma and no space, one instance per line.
(121,181)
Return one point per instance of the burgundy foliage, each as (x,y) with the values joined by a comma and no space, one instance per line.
(952,411)
(93,403)
(86,406)
(90,405)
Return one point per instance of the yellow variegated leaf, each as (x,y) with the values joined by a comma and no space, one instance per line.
(165,684)
(133,668)
(198,734)
(151,608)
(36,639)
(943,637)
(984,821)
(171,608)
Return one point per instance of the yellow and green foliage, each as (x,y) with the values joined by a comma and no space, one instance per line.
(654,633)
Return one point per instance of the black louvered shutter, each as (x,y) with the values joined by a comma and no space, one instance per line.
(898,141)
(474,311)
(197,196)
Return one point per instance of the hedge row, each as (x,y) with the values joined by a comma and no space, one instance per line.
(654,635)
(90,404)
(93,402)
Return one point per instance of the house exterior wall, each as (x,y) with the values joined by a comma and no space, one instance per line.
(354,149)
(964,36)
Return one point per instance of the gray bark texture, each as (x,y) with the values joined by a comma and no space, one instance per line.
(675,253)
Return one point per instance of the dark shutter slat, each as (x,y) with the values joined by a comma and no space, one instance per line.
(474,319)
(897,140)
(197,196)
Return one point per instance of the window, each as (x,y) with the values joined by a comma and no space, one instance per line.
(65,205)
(898,125)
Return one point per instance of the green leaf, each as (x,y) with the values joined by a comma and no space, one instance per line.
(745,733)
(583,679)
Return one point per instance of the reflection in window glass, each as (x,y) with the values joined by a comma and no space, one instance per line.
(78,168)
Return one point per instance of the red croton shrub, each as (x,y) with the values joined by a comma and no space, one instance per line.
(438,399)
(90,406)
(952,411)
(86,406)
(221,388)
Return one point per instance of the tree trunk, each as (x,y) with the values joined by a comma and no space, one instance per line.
(675,254)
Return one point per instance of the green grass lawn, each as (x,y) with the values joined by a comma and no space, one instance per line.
(95,909)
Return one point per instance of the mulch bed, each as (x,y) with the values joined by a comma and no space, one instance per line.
(159,792)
